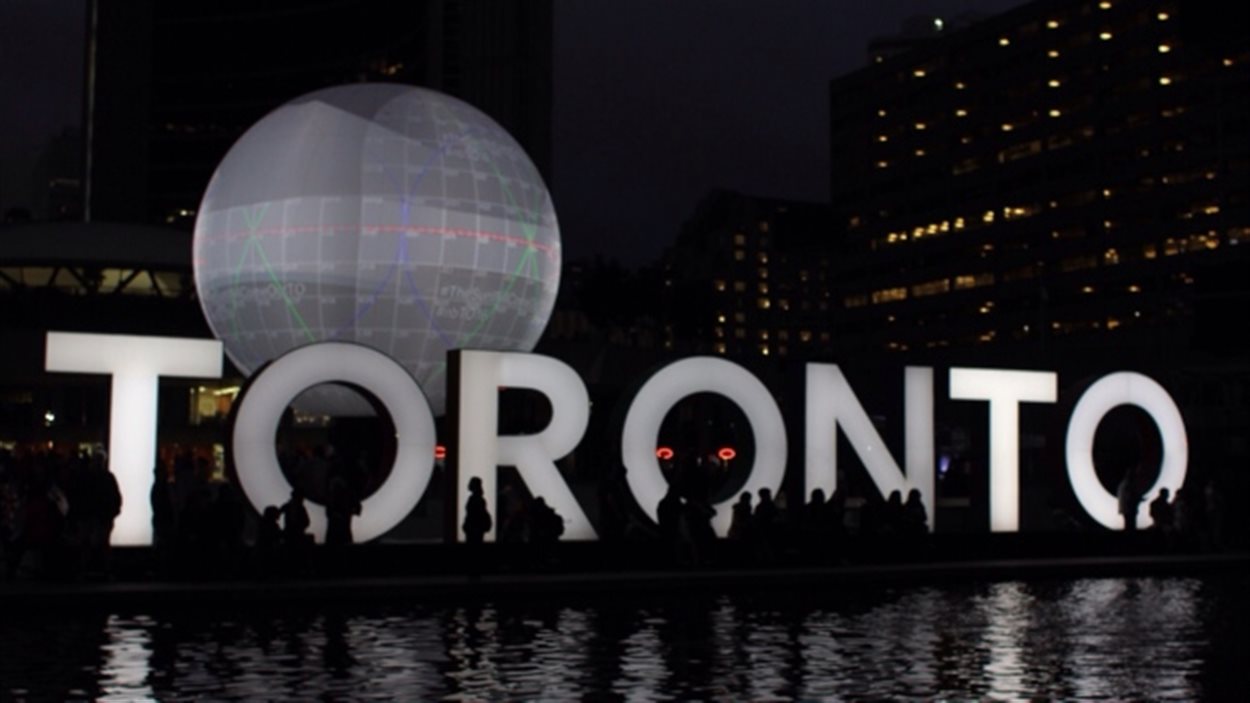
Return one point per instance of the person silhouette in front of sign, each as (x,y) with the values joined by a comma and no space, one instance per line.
(295,537)
(1129,497)
(477,520)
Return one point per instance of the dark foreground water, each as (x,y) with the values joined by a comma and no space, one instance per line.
(1181,638)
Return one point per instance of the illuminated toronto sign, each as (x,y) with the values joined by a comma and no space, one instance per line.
(477,449)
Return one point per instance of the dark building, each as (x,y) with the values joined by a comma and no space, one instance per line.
(1070,175)
(171,86)
(748,278)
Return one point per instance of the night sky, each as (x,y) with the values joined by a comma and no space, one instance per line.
(656,102)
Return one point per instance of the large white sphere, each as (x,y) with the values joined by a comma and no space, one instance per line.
(388,215)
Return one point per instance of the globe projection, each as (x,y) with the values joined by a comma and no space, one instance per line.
(388,215)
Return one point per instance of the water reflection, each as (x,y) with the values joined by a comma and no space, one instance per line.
(1117,638)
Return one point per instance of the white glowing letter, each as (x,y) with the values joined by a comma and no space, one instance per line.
(1005,390)
(1123,388)
(272,389)
(701,374)
(478,449)
(831,403)
(135,363)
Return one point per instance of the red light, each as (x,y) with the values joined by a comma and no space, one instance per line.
(664,453)
(726,453)
(440,452)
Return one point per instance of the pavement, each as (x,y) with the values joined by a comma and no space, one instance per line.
(443,587)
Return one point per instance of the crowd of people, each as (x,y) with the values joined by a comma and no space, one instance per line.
(57,512)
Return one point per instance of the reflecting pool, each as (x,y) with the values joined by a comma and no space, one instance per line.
(1122,638)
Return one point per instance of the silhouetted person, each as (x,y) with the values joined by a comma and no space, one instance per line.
(813,527)
(341,506)
(915,517)
(99,504)
(477,521)
(1161,512)
(764,525)
(546,525)
(740,525)
(295,521)
(697,517)
(894,513)
(163,517)
(268,539)
(1129,498)
(668,514)
(1187,517)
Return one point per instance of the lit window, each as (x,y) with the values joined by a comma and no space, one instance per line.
(883,164)
(1052,24)
(960,85)
(720,319)
(1053,53)
(1055,113)
(720,347)
(1053,83)
(1134,288)
(764,349)
(1105,36)
(938,24)
(763,288)
(719,285)
(1007,127)
(739,255)
(961,112)
(886,295)
(740,286)
(881,112)
(764,303)
(988,217)
(1104,5)
(919,73)
(1163,16)
(1004,41)
(1165,48)
(740,240)
(1087,289)
(882,138)
(920,152)
(920,126)
(1165,80)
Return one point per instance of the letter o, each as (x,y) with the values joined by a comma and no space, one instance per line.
(262,405)
(1110,391)
(701,374)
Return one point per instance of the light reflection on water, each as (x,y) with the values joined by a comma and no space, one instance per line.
(1114,638)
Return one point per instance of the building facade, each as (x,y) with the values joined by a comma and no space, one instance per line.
(1070,174)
